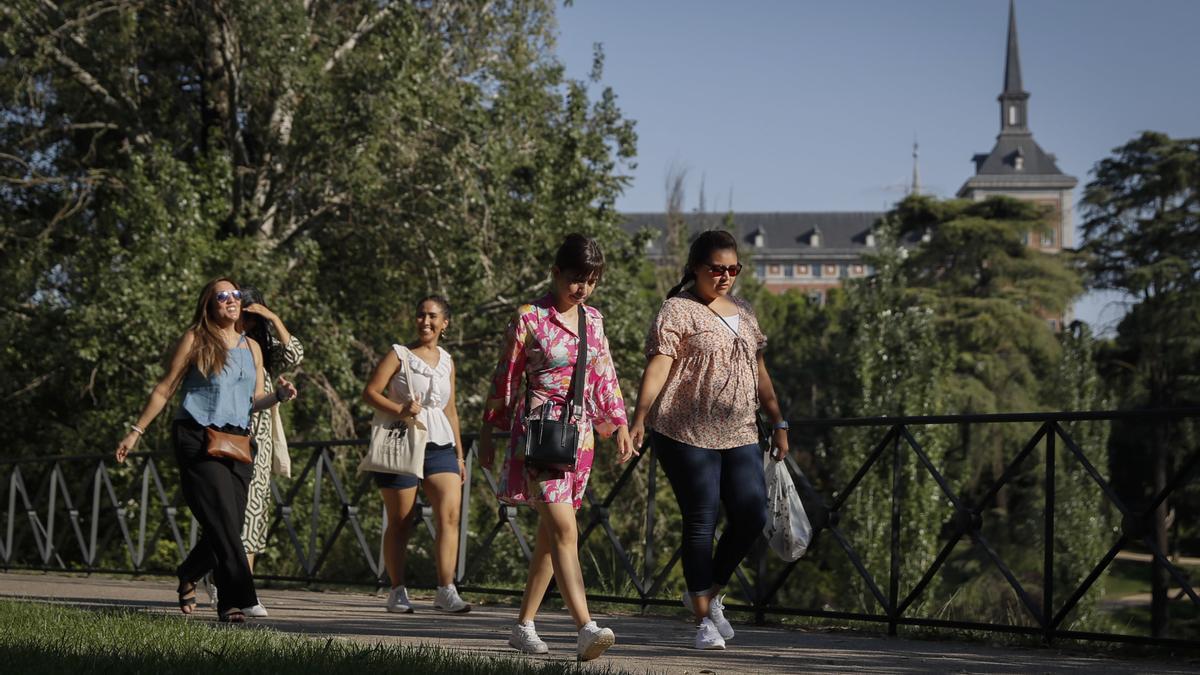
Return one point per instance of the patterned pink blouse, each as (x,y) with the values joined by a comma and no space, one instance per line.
(540,344)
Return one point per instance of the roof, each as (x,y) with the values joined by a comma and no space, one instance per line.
(783,232)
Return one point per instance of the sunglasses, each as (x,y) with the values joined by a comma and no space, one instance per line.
(719,271)
(224,296)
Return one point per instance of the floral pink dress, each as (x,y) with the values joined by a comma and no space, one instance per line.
(540,344)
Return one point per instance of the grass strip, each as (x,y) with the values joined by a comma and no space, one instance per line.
(36,638)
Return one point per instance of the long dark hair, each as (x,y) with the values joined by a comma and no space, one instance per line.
(209,350)
(581,255)
(709,242)
(260,332)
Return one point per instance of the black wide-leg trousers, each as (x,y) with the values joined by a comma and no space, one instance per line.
(215,490)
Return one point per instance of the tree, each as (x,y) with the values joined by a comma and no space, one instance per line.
(345,157)
(1141,235)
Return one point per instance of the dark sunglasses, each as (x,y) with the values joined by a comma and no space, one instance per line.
(719,271)
(223,296)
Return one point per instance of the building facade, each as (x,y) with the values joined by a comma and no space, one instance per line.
(814,251)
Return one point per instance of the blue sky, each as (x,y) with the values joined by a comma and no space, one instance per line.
(808,106)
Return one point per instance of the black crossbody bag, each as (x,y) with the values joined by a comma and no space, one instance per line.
(552,444)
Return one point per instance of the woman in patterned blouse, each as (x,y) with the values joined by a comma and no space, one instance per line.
(541,347)
(282,352)
(704,382)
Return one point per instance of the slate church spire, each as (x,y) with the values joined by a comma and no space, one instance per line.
(1014,100)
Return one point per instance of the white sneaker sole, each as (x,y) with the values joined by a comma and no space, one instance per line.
(446,610)
(528,649)
(713,646)
(601,645)
(400,610)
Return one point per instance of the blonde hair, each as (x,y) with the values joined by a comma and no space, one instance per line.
(208,351)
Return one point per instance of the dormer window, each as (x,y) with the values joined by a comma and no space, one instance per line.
(760,238)
(870,239)
(814,237)
(1019,163)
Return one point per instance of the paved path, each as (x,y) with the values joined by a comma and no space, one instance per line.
(644,644)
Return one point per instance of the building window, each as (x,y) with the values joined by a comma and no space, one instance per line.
(801,270)
(760,270)
(843,271)
(831,270)
(1019,163)
(1048,237)
(816,269)
(773,270)
(789,271)
(856,270)
(1012,115)
(1025,239)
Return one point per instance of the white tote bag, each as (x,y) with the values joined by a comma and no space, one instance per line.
(397,446)
(788,531)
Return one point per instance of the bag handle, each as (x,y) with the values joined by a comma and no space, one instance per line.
(404,356)
(575,400)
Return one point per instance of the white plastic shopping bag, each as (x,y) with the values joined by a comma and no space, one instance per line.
(787,530)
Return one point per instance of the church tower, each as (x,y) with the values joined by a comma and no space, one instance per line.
(1017,166)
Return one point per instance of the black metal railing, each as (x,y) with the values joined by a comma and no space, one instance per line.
(131,521)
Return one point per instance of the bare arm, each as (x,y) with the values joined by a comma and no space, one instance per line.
(770,404)
(452,416)
(160,395)
(373,392)
(653,379)
(264,312)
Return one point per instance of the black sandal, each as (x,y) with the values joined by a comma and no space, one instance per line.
(233,616)
(187,596)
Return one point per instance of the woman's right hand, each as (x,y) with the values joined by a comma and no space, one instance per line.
(411,409)
(127,445)
(637,433)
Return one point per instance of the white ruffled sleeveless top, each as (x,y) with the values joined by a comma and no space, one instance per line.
(431,385)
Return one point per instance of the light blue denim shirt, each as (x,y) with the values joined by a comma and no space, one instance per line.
(223,398)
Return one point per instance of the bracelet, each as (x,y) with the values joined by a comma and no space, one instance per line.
(140,431)
(780,425)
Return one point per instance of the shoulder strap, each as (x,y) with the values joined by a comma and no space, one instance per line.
(404,353)
(577,378)
(723,318)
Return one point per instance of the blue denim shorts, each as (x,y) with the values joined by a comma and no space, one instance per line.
(438,459)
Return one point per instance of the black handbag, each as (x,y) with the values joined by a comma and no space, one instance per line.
(552,444)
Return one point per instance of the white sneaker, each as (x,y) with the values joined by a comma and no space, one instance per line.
(716,612)
(525,639)
(255,612)
(707,635)
(593,641)
(398,602)
(447,600)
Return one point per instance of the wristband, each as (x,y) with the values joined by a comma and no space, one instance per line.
(780,425)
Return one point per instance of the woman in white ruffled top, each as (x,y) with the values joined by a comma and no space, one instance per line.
(432,404)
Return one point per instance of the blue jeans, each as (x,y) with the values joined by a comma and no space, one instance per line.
(703,479)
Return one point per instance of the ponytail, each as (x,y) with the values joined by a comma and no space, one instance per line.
(688,277)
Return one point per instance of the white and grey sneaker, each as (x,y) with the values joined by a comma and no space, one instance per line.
(525,639)
(716,612)
(707,635)
(398,602)
(256,611)
(447,600)
(593,641)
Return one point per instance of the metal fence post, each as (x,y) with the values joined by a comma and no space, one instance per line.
(1048,521)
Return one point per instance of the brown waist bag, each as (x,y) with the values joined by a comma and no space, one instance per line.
(231,446)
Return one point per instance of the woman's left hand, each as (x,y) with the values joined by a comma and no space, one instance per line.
(261,310)
(462,470)
(625,447)
(285,390)
(779,444)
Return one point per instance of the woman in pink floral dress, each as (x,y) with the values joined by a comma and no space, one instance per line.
(541,346)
